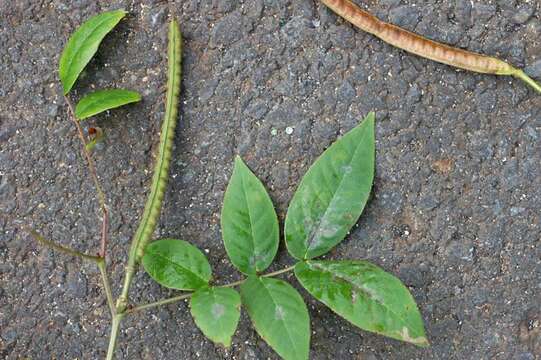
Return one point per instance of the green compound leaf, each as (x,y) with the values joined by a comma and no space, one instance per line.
(249,222)
(279,316)
(216,312)
(366,296)
(102,100)
(176,264)
(332,194)
(83,44)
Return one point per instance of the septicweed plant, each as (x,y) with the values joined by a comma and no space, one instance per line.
(326,205)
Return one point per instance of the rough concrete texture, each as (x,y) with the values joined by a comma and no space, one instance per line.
(456,205)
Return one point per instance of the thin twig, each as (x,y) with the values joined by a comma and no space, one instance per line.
(94,175)
(64,249)
(158,303)
(104,232)
(278,272)
(107,286)
(186,296)
(99,261)
(86,153)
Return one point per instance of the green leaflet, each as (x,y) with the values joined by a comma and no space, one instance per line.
(102,100)
(249,222)
(83,44)
(366,296)
(177,264)
(216,311)
(332,194)
(279,316)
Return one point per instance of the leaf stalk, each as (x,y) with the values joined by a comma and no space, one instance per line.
(186,296)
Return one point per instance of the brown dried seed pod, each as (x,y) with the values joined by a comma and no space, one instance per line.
(419,45)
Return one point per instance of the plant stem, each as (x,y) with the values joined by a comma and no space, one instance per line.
(158,303)
(278,272)
(86,153)
(115,328)
(104,232)
(99,261)
(186,296)
(528,80)
(107,286)
(64,249)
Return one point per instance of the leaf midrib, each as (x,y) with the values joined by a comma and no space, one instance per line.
(252,239)
(158,255)
(80,45)
(317,229)
(125,100)
(219,321)
(280,320)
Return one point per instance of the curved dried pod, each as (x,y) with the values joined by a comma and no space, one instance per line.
(421,46)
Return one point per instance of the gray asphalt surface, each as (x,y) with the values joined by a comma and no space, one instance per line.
(456,205)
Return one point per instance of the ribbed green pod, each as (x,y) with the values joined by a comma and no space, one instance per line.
(160,177)
(153,205)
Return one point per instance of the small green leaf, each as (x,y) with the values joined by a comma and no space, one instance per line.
(83,44)
(216,312)
(102,100)
(176,264)
(249,222)
(332,194)
(279,316)
(366,296)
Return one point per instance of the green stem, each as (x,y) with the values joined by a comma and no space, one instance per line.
(158,303)
(55,246)
(115,328)
(86,153)
(186,296)
(98,260)
(107,286)
(519,74)
(278,272)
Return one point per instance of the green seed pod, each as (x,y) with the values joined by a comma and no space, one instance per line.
(160,177)
(163,160)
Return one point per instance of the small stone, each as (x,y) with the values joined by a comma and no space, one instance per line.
(405,16)
(228,30)
(515,210)
(523,14)
(346,92)
(534,70)
(52,110)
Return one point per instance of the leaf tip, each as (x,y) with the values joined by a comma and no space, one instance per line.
(370,118)
(239,163)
